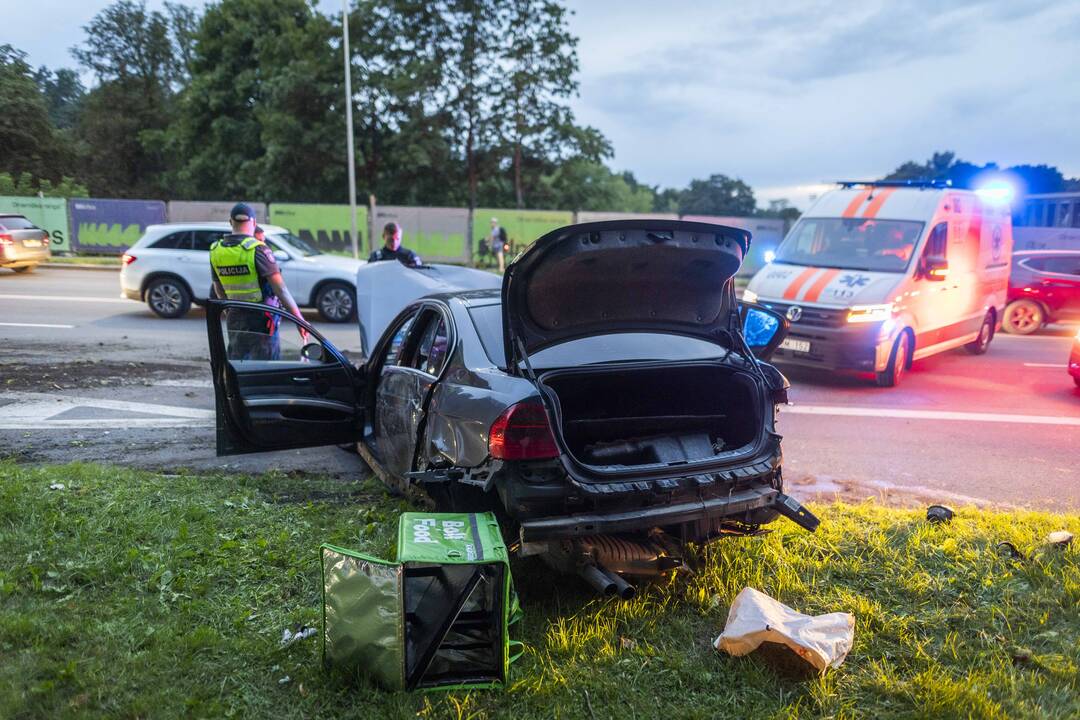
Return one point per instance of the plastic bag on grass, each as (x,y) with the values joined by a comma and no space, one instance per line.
(822,641)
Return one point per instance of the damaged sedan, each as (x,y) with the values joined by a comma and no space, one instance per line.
(610,400)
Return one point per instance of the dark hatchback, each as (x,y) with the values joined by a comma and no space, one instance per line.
(1044,288)
(605,403)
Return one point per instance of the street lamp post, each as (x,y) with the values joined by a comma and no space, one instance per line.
(349,126)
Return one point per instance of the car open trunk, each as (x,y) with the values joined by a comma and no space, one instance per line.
(625,418)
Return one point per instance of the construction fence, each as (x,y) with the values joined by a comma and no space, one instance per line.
(438,234)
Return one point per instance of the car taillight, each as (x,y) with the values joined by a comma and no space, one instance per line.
(522,432)
(5,239)
(127,259)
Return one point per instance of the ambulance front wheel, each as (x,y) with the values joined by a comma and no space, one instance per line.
(899,360)
(981,344)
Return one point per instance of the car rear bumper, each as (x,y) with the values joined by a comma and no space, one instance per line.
(16,256)
(603,523)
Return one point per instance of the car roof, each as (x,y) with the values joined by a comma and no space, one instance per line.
(13,215)
(209,225)
(1045,252)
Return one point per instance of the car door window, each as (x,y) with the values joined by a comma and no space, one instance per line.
(1063,265)
(203,239)
(174,241)
(396,348)
(256,335)
(432,350)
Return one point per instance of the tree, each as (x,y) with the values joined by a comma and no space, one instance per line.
(538,61)
(122,120)
(944,166)
(26,185)
(28,141)
(63,92)
(582,184)
(719,195)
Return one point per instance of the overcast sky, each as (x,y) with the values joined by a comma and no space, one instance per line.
(784,94)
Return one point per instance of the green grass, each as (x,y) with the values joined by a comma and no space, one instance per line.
(131,594)
(85,260)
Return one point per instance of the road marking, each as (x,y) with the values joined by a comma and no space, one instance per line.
(38,325)
(65,298)
(1046,365)
(40,410)
(929,415)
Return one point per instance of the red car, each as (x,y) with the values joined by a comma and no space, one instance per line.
(1044,287)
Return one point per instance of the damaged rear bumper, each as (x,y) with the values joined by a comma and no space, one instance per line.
(734,504)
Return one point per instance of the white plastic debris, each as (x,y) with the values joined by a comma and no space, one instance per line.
(56,486)
(822,640)
(284,680)
(288,637)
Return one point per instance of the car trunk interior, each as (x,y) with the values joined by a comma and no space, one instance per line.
(621,417)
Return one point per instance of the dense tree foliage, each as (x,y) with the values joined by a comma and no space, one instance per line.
(945,166)
(28,140)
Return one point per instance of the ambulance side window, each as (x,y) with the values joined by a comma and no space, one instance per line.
(937,245)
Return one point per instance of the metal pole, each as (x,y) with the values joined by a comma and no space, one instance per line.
(349,125)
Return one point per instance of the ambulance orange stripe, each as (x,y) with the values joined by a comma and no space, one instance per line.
(879,200)
(855,204)
(796,284)
(815,290)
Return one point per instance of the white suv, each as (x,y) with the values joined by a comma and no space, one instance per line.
(169,268)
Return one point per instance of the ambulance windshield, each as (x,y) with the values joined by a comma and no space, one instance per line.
(851,244)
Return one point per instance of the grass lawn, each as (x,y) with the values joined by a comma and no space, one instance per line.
(133,594)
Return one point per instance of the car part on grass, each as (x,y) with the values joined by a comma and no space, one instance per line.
(937,514)
(602,560)
(1059,539)
(439,617)
(819,641)
(1008,549)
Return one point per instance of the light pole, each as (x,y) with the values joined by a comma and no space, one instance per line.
(349,126)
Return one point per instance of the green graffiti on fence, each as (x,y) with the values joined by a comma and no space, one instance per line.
(327,227)
(522,226)
(105,235)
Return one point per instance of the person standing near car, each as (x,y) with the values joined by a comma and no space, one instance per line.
(498,243)
(244,268)
(392,248)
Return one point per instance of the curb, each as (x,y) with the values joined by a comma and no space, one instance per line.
(76,266)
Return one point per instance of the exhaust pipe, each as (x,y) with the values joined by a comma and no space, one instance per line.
(623,588)
(596,577)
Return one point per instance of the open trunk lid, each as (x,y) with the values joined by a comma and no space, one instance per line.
(654,276)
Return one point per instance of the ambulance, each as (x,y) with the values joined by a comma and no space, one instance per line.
(876,275)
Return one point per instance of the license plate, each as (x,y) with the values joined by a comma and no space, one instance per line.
(31,243)
(795,345)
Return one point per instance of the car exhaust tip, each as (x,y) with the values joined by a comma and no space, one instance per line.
(625,590)
(598,579)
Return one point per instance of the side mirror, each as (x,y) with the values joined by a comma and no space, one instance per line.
(935,269)
(281,256)
(763,329)
(313,352)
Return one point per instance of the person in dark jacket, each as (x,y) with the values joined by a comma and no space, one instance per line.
(392,248)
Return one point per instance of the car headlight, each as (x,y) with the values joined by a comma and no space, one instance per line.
(749,295)
(870,313)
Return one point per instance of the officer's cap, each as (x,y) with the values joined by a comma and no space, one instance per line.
(242,212)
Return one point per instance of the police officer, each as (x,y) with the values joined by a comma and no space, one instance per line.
(244,268)
(392,248)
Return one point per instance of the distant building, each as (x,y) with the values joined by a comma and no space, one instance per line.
(1047,221)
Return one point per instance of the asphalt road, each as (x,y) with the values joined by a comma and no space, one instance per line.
(87,375)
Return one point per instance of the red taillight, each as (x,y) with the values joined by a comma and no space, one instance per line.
(5,239)
(522,432)
(127,259)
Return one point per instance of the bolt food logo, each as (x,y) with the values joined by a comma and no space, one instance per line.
(233,270)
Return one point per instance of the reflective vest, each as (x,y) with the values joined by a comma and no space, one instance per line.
(234,266)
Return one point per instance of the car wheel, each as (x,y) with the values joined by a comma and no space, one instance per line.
(1023,317)
(898,362)
(981,344)
(25,268)
(168,297)
(336,302)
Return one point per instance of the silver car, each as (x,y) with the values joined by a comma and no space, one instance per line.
(23,245)
(169,268)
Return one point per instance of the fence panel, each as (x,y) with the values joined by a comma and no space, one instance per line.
(1046,238)
(49,214)
(437,234)
(327,227)
(522,226)
(111,226)
(209,211)
(584,216)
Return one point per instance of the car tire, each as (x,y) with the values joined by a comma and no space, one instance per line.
(1023,317)
(168,297)
(898,362)
(336,302)
(25,268)
(981,344)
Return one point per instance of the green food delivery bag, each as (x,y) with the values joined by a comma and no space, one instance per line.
(437,618)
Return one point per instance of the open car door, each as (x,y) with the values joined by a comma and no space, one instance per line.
(278,391)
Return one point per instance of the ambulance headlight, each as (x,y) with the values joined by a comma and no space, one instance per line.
(770,255)
(749,295)
(869,313)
